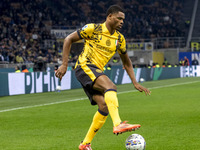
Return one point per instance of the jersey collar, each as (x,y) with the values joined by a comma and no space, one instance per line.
(105,29)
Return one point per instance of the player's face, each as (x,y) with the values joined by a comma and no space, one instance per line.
(118,20)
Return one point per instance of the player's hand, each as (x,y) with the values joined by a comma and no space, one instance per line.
(61,71)
(141,89)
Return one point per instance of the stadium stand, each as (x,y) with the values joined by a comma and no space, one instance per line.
(196,30)
(25,25)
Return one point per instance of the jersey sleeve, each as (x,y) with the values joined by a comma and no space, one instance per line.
(122,45)
(86,31)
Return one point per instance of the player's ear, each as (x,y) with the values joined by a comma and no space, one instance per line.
(109,16)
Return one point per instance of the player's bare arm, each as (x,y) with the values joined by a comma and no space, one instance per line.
(73,37)
(129,69)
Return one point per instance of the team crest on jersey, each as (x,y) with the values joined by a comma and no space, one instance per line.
(84,27)
(108,42)
(98,70)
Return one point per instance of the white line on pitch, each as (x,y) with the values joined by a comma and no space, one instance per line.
(17,108)
(79,99)
(163,86)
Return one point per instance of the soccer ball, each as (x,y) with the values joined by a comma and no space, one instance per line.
(135,142)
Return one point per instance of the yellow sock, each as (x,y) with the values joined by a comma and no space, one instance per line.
(98,121)
(112,103)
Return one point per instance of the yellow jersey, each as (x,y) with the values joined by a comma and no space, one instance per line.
(100,45)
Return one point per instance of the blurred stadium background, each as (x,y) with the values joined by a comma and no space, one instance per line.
(155,30)
(160,34)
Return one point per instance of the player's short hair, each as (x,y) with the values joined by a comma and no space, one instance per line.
(114,9)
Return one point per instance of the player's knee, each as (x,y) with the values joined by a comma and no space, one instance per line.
(111,87)
(103,107)
(114,87)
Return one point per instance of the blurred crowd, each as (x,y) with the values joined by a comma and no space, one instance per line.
(144,18)
(26,24)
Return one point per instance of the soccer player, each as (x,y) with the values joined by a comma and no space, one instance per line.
(101,42)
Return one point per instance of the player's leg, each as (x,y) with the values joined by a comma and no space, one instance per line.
(98,120)
(104,84)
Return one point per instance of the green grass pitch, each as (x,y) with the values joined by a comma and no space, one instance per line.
(169,118)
